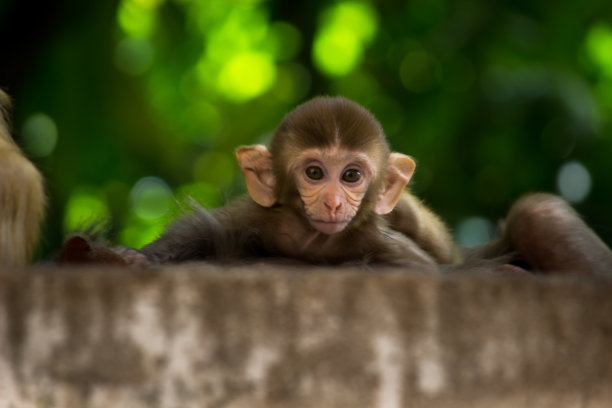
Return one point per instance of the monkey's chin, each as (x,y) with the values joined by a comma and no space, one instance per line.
(329,227)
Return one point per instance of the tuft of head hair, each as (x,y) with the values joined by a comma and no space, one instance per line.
(327,121)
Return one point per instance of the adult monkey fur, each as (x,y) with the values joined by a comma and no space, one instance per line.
(329,191)
(22,197)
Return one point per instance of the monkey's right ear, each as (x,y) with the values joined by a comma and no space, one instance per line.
(256,165)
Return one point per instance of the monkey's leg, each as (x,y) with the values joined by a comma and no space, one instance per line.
(551,237)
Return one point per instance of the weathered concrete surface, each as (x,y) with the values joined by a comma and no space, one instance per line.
(263,336)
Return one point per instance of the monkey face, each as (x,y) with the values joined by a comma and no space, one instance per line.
(328,161)
(332,183)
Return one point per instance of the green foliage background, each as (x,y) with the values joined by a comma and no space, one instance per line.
(129,107)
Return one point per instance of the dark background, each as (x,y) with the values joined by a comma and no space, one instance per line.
(128,107)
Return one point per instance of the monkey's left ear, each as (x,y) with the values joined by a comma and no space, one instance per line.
(399,171)
(256,165)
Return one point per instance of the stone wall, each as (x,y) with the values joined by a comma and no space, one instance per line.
(273,336)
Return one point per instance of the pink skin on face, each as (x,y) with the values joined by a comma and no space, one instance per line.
(332,182)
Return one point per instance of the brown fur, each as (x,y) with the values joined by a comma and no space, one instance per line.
(22,198)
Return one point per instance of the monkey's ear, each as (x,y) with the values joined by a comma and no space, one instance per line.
(399,171)
(256,165)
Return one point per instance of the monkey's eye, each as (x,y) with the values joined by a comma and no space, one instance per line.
(351,175)
(314,173)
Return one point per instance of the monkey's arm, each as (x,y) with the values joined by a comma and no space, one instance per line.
(413,219)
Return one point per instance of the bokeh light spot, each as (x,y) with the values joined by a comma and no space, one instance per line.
(151,198)
(39,135)
(246,76)
(149,4)
(360,17)
(574,182)
(344,31)
(84,207)
(134,56)
(599,47)
(337,52)
(242,30)
(136,18)
(474,231)
(137,232)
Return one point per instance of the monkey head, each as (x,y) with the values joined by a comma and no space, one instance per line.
(330,160)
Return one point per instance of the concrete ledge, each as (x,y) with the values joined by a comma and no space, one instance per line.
(273,336)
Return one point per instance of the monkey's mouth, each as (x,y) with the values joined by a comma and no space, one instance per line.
(328,227)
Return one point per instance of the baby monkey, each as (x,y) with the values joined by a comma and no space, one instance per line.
(328,190)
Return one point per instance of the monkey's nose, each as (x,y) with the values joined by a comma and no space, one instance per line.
(333,204)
